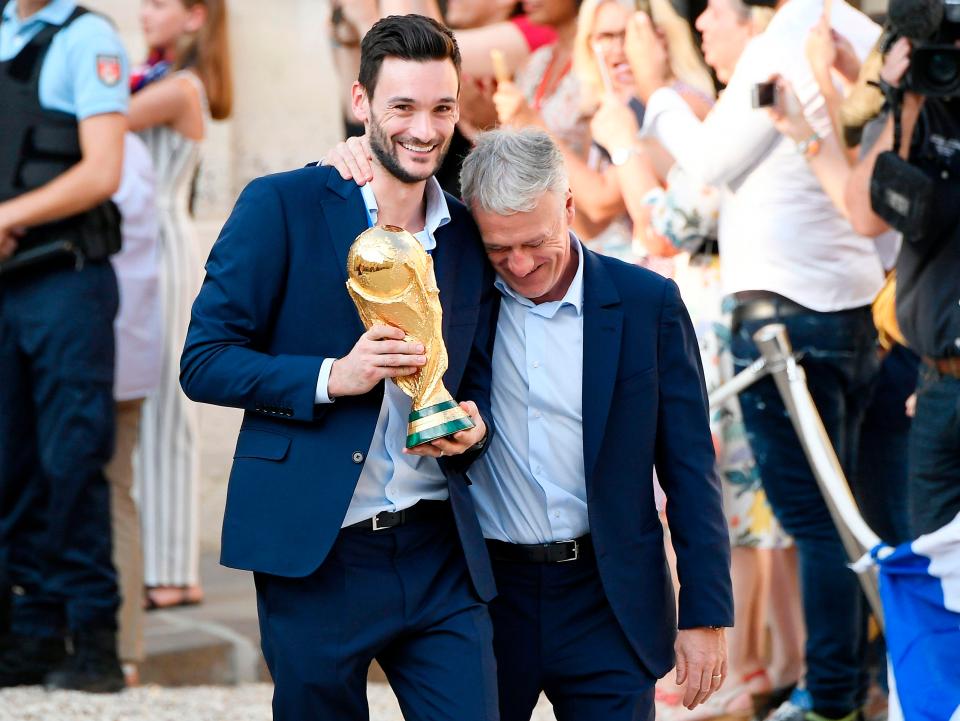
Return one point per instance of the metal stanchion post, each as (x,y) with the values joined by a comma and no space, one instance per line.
(857,536)
(741,381)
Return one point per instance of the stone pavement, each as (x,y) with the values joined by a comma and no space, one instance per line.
(203,664)
(249,702)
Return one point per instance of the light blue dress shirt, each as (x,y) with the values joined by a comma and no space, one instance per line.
(71,80)
(530,487)
(391,480)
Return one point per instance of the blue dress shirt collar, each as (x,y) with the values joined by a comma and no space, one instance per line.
(437,216)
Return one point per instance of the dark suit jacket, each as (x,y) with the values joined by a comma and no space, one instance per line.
(645,405)
(272,307)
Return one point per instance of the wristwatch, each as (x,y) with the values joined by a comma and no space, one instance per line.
(620,156)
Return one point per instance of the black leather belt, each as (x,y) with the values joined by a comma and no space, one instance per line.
(558,552)
(763,305)
(422,511)
(944,366)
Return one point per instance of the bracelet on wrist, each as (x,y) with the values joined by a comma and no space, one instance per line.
(810,147)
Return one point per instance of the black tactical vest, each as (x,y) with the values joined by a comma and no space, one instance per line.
(37,145)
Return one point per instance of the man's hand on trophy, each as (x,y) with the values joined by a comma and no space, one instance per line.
(380,353)
(459,442)
(351,158)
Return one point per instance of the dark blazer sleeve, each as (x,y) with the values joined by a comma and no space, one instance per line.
(477,377)
(223,360)
(686,468)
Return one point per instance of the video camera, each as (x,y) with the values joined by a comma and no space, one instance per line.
(933,26)
(901,193)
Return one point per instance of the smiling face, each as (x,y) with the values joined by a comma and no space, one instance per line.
(411,116)
(532,251)
(726,30)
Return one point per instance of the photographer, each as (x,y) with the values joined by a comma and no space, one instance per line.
(64,93)
(917,191)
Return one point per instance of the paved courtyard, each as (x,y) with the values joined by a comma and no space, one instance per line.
(247,702)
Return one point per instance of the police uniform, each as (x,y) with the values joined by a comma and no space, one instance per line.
(58,299)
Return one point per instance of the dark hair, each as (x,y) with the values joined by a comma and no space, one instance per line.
(408,37)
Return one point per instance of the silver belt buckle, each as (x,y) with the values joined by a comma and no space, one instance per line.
(576,552)
(377,526)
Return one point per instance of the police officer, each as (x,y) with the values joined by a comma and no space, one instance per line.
(63,92)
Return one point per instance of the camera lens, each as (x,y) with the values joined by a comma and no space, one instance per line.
(942,70)
(951,10)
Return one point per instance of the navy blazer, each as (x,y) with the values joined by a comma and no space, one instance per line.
(644,405)
(273,305)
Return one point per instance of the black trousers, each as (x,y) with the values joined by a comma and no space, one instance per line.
(554,631)
(56,437)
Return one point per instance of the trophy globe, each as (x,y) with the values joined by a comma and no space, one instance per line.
(391,281)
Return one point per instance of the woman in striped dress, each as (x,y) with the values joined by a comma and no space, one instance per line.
(185,81)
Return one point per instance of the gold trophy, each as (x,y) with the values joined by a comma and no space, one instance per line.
(391,280)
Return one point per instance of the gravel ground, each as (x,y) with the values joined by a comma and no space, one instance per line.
(250,702)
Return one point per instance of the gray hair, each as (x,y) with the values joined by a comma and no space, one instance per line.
(509,170)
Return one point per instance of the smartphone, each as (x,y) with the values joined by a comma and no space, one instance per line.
(764,95)
(602,67)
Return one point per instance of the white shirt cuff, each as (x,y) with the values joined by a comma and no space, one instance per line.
(662,100)
(322,381)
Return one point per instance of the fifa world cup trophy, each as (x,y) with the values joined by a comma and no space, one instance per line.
(391,280)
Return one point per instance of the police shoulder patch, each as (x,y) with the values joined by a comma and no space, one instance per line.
(108,69)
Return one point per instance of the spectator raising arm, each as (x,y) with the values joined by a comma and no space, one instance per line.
(857,194)
(826,158)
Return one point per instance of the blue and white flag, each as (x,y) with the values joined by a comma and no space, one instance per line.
(920,590)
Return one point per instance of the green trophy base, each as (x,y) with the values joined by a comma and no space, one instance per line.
(436,421)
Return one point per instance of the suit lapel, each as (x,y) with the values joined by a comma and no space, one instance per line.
(346,216)
(445,261)
(602,331)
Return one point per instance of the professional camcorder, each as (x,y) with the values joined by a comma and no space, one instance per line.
(901,193)
(933,26)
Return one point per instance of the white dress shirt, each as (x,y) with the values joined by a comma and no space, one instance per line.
(391,480)
(530,486)
(778,230)
(138,326)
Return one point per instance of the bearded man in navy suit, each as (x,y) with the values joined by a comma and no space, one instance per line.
(360,549)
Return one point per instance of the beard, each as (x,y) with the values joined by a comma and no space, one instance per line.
(385,152)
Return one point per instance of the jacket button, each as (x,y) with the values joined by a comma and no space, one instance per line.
(357,457)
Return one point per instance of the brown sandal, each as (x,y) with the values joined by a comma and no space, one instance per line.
(163,597)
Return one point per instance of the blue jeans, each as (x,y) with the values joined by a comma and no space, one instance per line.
(935,453)
(880,484)
(839,357)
